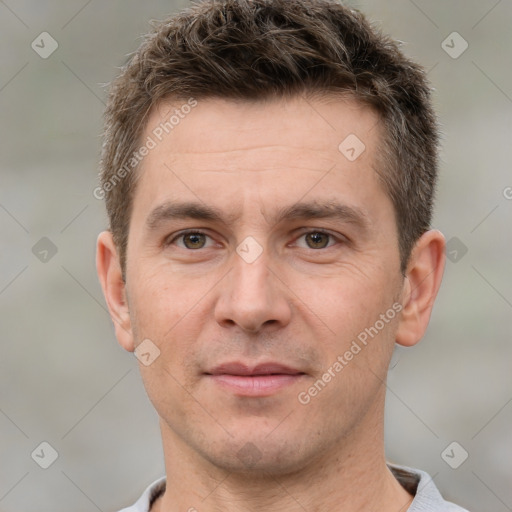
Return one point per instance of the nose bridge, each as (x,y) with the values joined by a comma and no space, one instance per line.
(251,296)
(250,273)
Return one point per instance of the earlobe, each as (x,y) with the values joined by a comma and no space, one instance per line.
(421,284)
(111,280)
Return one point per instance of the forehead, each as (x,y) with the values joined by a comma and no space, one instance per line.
(233,153)
(218,125)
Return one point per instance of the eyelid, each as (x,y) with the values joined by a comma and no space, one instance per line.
(303,231)
(175,236)
(336,236)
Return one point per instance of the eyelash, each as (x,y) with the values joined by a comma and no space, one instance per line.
(182,234)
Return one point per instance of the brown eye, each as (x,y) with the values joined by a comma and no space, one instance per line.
(193,240)
(317,239)
(189,240)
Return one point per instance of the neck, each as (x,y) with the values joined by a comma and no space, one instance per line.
(350,477)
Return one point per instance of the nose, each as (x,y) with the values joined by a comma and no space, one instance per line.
(253,297)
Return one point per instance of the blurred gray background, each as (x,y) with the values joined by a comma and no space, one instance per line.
(63,378)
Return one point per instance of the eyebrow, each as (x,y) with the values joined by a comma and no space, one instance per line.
(330,209)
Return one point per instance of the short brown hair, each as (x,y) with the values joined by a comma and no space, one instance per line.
(258,49)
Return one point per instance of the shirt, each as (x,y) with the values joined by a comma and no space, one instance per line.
(426,495)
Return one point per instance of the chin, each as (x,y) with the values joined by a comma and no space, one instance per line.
(260,457)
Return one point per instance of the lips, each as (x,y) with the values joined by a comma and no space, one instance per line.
(241,369)
(262,380)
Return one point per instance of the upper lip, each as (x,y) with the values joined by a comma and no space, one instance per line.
(238,368)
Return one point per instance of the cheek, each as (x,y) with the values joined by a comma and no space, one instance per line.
(348,301)
(163,313)
(356,314)
(169,320)
(160,300)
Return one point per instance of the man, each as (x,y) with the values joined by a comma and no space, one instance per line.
(268,170)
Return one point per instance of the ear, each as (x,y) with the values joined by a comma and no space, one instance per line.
(421,284)
(114,289)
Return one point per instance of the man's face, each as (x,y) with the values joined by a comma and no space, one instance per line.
(268,282)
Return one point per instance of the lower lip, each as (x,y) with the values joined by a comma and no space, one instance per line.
(258,385)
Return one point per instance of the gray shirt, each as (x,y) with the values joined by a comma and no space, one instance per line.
(418,483)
